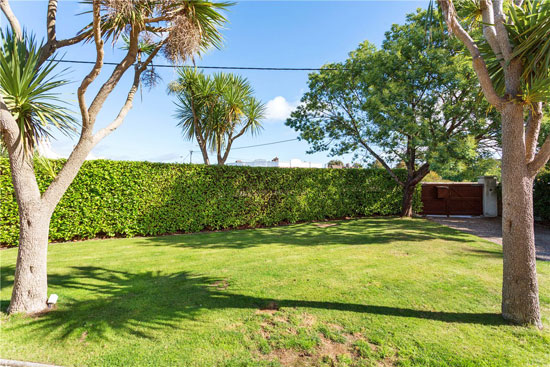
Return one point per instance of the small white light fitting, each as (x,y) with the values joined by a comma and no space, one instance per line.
(52,300)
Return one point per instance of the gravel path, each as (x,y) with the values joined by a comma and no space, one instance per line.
(491,230)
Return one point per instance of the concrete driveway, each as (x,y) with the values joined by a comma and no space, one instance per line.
(491,230)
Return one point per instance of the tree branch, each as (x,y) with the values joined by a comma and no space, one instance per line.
(532,131)
(420,174)
(117,73)
(151,56)
(501,32)
(139,68)
(123,111)
(489,31)
(87,122)
(21,164)
(374,154)
(541,158)
(231,140)
(52,43)
(156,19)
(66,175)
(480,67)
(12,19)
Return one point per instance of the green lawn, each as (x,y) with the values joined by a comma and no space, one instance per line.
(370,292)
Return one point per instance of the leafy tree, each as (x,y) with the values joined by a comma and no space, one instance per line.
(470,170)
(408,102)
(215,110)
(335,163)
(510,48)
(433,177)
(375,164)
(179,29)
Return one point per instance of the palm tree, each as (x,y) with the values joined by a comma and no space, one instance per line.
(27,89)
(510,49)
(192,90)
(215,110)
(180,29)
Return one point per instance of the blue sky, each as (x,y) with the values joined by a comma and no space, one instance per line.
(259,33)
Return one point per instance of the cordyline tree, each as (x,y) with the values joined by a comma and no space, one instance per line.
(178,29)
(215,110)
(510,46)
(408,102)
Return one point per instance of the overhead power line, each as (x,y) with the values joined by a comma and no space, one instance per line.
(206,67)
(251,146)
(261,145)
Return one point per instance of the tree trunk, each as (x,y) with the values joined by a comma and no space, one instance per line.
(407,202)
(221,160)
(30,288)
(413,178)
(520,300)
(204,153)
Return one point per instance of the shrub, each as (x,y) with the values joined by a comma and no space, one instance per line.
(541,196)
(111,198)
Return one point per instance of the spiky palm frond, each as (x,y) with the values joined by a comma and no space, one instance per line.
(190,26)
(29,89)
(222,104)
(191,89)
(530,34)
(528,28)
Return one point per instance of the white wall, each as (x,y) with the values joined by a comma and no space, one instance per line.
(294,163)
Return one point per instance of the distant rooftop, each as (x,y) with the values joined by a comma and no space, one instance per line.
(293,163)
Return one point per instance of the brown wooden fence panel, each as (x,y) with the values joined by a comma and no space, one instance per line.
(452,199)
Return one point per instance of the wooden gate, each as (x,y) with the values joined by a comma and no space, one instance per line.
(452,198)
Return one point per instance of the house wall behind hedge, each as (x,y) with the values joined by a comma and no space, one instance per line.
(111,198)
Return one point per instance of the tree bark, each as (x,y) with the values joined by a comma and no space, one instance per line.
(30,288)
(407,202)
(12,19)
(520,301)
(204,152)
(413,178)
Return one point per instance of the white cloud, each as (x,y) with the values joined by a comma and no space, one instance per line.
(279,108)
(45,150)
(91,156)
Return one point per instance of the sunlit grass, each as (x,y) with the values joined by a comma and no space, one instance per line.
(361,292)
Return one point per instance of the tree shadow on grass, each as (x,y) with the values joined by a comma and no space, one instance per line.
(6,280)
(485,253)
(371,231)
(144,304)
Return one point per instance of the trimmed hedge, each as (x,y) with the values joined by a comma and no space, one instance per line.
(541,196)
(111,198)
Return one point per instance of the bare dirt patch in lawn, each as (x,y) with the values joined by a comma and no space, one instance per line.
(333,347)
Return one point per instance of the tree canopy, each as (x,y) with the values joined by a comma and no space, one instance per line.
(215,110)
(415,100)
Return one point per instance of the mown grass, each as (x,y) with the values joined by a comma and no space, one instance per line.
(380,291)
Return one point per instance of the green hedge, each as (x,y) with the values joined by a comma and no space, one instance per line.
(541,196)
(110,198)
